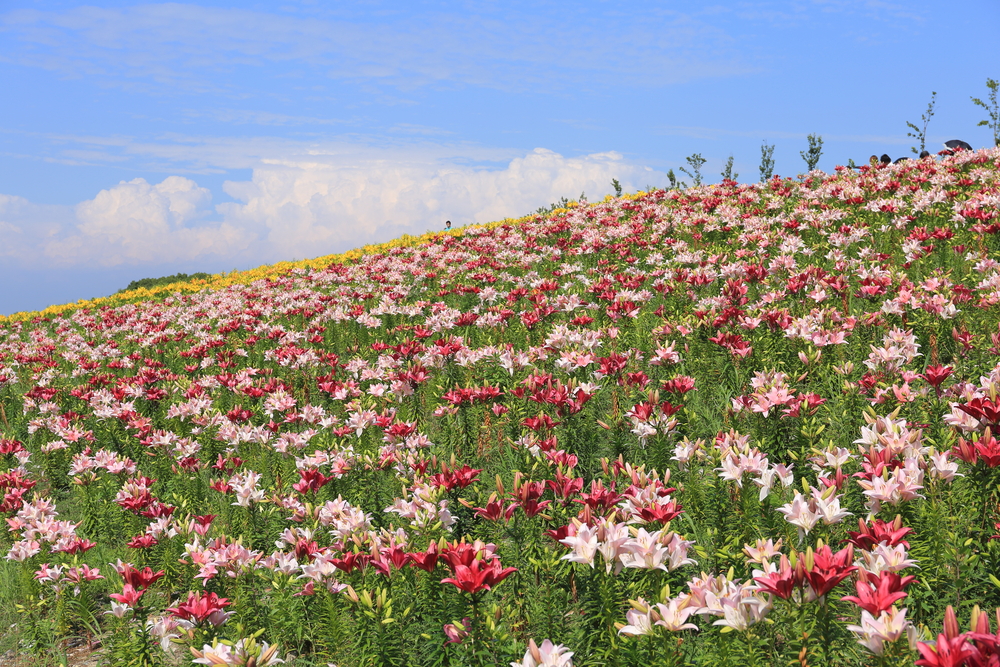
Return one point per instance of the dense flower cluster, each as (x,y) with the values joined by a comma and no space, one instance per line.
(655,416)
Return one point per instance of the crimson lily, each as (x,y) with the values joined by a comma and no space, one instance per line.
(879,592)
(945,652)
(479,576)
(781,583)
(201,607)
(824,569)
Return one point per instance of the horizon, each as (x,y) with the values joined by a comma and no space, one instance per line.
(155,139)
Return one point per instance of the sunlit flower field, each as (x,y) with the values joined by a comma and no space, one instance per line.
(729,425)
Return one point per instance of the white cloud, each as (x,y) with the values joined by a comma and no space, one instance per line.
(25,227)
(11,234)
(136,222)
(303,209)
(303,205)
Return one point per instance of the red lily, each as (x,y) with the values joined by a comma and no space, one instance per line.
(935,375)
(945,652)
(678,385)
(141,579)
(879,592)
(306,549)
(781,583)
(663,514)
(494,511)
(824,569)
(129,596)
(425,560)
(565,486)
(983,409)
(988,449)
(462,553)
(200,607)
(311,480)
(143,541)
(966,451)
(889,532)
(351,561)
(528,494)
(480,575)
(396,556)
(599,498)
(461,478)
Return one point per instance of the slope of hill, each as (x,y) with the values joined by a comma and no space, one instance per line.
(730,425)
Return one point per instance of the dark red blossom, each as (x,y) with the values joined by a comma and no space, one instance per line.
(878,592)
(678,385)
(823,569)
(311,479)
(935,375)
(129,596)
(140,579)
(946,652)
(200,607)
(889,533)
(351,561)
(10,446)
(458,478)
(479,575)
(495,511)
(425,560)
(781,582)
(142,542)
(985,410)
(599,498)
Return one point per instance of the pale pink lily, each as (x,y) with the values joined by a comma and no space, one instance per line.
(873,633)
(546,655)
(800,513)
(674,615)
(583,545)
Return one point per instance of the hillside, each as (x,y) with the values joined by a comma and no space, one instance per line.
(735,424)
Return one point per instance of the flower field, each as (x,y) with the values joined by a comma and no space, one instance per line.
(729,425)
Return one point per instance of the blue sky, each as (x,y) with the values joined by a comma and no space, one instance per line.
(139,140)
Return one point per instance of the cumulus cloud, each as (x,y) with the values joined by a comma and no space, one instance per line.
(306,208)
(136,222)
(303,205)
(25,227)
(11,234)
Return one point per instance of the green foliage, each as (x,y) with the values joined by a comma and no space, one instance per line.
(812,155)
(702,264)
(920,133)
(728,173)
(766,162)
(617,186)
(695,161)
(165,280)
(562,203)
(992,109)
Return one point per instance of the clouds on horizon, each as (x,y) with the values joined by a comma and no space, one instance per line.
(297,207)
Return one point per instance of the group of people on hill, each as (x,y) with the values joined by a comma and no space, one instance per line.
(950,148)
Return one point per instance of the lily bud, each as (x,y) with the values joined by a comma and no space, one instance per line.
(950,623)
(535,653)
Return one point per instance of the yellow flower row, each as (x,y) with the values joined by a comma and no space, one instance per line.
(222,280)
